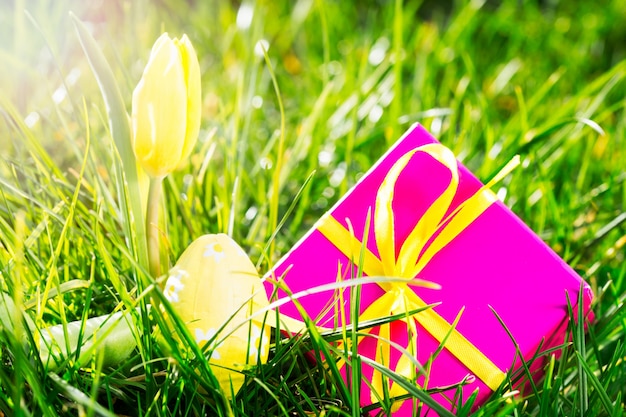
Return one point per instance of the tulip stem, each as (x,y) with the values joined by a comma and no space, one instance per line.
(152,226)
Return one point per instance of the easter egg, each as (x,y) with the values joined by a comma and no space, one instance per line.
(215,290)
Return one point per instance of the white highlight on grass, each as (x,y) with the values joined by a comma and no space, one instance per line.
(31,119)
(495,150)
(244,16)
(505,76)
(324,158)
(535,197)
(261,47)
(266,163)
(59,94)
(378,51)
(334,68)
(338,175)
(187,182)
(436,125)
(251,213)
(375,114)
(257,102)
(73,76)
(329,192)
(501,194)
(301,11)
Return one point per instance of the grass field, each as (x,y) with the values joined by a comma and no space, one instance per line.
(340,82)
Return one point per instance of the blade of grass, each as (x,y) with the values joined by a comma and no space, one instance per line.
(79,397)
(597,385)
(127,181)
(275,194)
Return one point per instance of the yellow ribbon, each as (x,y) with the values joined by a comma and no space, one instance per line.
(411,260)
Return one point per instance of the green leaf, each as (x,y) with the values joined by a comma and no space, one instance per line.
(130,195)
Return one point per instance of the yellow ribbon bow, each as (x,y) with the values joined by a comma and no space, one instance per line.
(412,258)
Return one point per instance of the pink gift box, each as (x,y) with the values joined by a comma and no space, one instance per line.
(493,263)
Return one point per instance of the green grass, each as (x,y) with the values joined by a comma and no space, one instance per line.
(339,84)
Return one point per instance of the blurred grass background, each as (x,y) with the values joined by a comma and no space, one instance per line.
(543,79)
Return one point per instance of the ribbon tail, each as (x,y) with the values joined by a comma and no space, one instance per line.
(383,356)
(406,368)
(379,309)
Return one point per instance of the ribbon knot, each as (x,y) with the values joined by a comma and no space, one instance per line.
(432,232)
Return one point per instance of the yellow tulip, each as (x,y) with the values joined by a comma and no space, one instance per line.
(166,106)
(216,291)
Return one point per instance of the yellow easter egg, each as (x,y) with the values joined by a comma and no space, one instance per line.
(214,287)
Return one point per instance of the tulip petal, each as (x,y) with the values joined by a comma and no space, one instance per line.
(191,69)
(160,110)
